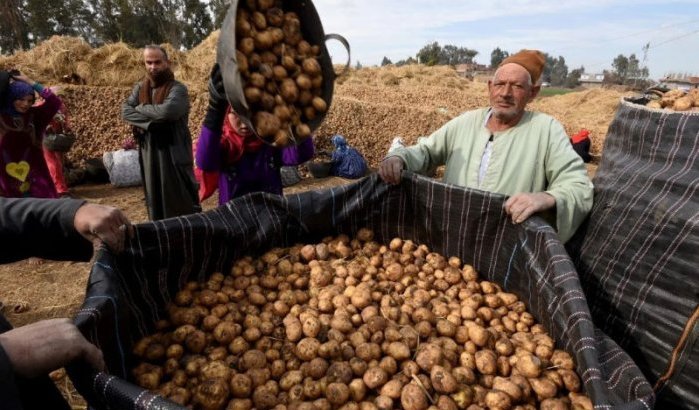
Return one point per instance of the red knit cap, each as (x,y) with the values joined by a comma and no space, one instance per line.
(532,60)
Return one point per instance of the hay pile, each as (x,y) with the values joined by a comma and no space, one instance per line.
(370,106)
(592,109)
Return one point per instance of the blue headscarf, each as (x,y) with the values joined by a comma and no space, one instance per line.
(339,142)
(17,90)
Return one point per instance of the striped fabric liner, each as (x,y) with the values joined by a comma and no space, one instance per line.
(638,256)
(127,294)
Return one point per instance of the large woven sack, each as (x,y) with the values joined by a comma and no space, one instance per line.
(127,294)
(123,167)
(638,256)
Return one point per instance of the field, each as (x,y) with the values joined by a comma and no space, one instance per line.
(370,107)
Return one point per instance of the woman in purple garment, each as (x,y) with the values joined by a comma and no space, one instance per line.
(243,162)
(23,170)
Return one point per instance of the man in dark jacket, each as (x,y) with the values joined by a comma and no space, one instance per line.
(53,229)
(158,110)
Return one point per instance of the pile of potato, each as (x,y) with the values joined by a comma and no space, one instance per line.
(354,324)
(677,100)
(280,71)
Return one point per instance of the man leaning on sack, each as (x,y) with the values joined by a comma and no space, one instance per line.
(508,150)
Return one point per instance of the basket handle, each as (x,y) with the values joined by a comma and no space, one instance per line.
(345,43)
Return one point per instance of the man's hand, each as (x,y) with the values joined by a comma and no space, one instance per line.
(523,205)
(390,169)
(48,345)
(99,223)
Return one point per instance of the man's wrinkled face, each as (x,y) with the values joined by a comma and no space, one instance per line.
(155,61)
(510,91)
(23,104)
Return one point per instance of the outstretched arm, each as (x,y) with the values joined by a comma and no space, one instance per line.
(64,229)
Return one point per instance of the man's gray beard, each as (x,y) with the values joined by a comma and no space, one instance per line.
(504,117)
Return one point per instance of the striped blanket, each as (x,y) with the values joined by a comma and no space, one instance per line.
(638,256)
(127,294)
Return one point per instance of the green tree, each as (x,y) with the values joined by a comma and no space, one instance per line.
(407,61)
(109,18)
(453,55)
(219,8)
(496,57)
(621,68)
(573,78)
(46,18)
(15,31)
(358,65)
(196,23)
(429,54)
(385,61)
(559,72)
(548,68)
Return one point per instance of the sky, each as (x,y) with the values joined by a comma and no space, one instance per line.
(589,34)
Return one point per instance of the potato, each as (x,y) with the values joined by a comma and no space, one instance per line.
(266,124)
(383,402)
(571,381)
(486,361)
(392,389)
(304,82)
(375,377)
(442,380)
(264,397)
(479,335)
(428,356)
(498,400)
(553,404)
(544,388)
(528,365)
(562,360)
(398,350)
(290,379)
(413,398)
(149,380)
(340,372)
(307,348)
(580,401)
(303,131)
(253,359)
(216,370)
(509,387)
(246,46)
(212,394)
(275,16)
(337,393)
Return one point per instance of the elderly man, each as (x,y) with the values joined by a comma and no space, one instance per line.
(508,150)
(158,110)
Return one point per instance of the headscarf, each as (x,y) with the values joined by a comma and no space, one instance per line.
(235,145)
(17,90)
(532,60)
(339,142)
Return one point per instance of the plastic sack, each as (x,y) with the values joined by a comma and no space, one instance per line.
(127,293)
(123,167)
(637,257)
(581,144)
(347,161)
